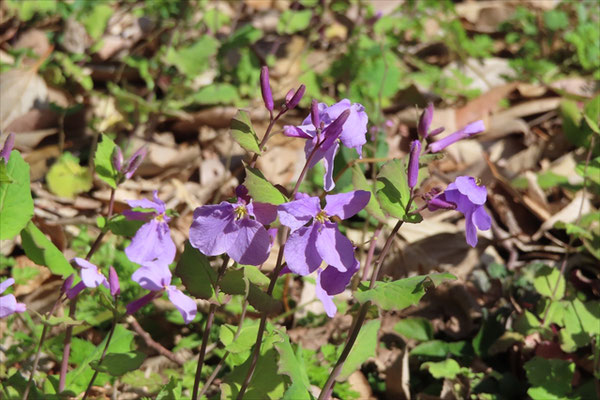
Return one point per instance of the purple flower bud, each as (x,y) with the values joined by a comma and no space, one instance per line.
(425,120)
(8,146)
(265,88)
(334,130)
(314,114)
(135,305)
(437,203)
(75,290)
(296,97)
(413,163)
(117,158)
(436,132)
(468,131)
(113,282)
(134,162)
(289,95)
(67,284)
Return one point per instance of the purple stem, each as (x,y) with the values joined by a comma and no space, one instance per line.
(265,138)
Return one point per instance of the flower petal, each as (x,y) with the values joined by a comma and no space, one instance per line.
(303,131)
(135,305)
(253,243)
(297,213)
(328,159)
(152,243)
(345,205)
(334,281)
(8,305)
(92,278)
(326,299)
(6,284)
(185,304)
(300,252)
(470,229)
(335,248)
(481,219)
(467,186)
(152,278)
(213,231)
(264,213)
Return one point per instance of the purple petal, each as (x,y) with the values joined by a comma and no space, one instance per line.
(153,278)
(135,305)
(481,219)
(152,243)
(92,278)
(8,305)
(253,243)
(300,252)
(185,304)
(6,284)
(467,131)
(296,97)
(264,213)
(213,230)
(143,203)
(355,128)
(470,230)
(113,282)
(328,160)
(84,264)
(333,131)
(440,202)
(67,283)
(297,213)
(334,281)
(413,163)
(326,299)
(135,161)
(138,215)
(468,187)
(314,113)
(335,248)
(345,205)
(7,148)
(241,192)
(302,131)
(75,290)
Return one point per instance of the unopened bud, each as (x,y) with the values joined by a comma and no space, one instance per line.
(9,143)
(265,88)
(314,114)
(296,97)
(117,158)
(134,162)
(413,163)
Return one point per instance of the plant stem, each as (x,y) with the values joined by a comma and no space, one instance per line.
(108,339)
(265,138)
(209,321)
(36,360)
(371,251)
(360,318)
(151,343)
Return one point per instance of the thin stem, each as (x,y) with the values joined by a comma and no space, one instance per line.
(64,365)
(36,360)
(371,251)
(151,343)
(108,339)
(209,321)
(265,138)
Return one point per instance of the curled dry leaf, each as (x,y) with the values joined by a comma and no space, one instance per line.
(20,90)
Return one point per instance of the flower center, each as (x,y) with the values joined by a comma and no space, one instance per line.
(321,217)
(160,217)
(240,212)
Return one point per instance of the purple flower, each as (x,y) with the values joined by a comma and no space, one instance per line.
(228,228)
(342,120)
(321,239)
(265,88)
(91,277)
(8,303)
(157,279)
(9,143)
(152,243)
(467,197)
(468,131)
(413,163)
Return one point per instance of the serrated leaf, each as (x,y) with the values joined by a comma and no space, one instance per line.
(234,282)
(171,391)
(546,279)
(103,161)
(364,347)
(245,340)
(415,328)
(260,189)
(292,365)
(195,272)
(549,378)
(16,204)
(66,178)
(398,295)
(243,133)
(360,183)
(117,364)
(42,251)
(442,369)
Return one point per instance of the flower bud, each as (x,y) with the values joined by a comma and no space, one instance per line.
(134,162)
(413,163)
(7,148)
(314,114)
(289,95)
(468,131)
(67,284)
(334,130)
(437,203)
(265,88)
(113,282)
(117,158)
(425,120)
(296,97)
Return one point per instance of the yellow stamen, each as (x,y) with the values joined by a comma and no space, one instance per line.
(240,212)
(321,217)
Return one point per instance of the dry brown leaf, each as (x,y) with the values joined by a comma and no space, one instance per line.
(359,384)
(33,39)
(483,105)
(579,205)
(20,90)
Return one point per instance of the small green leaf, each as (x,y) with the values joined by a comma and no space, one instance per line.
(443,369)
(234,282)
(54,321)
(243,132)
(255,275)
(364,347)
(546,279)
(393,192)
(103,161)
(245,340)
(215,93)
(195,272)
(121,226)
(194,59)
(42,251)
(16,204)
(292,21)
(95,20)
(360,183)
(292,365)
(118,364)
(398,295)
(415,328)
(549,378)
(4,176)
(260,189)
(66,178)
(171,391)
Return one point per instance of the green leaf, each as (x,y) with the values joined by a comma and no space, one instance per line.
(260,189)
(398,295)
(415,328)
(42,251)
(546,279)
(118,364)
(574,130)
(443,369)
(364,347)
(4,176)
(556,19)
(360,183)
(393,192)
(96,20)
(171,391)
(255,275)
(66,178)
(292,365)
(549,378)
(580,321)
(193,59)
(54,321)
(592,172)
(121,226)
(243,132)
(16,204)
(526,323)
(234,282)
(195,272)
(573,229)
(216,93)
(292,21)
(103,161)
(245,340)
